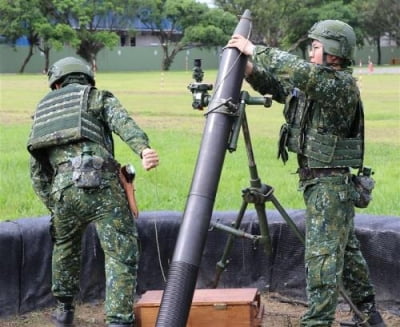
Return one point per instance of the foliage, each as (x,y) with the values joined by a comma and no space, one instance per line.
(214,29)
(18,19)
(379,17)
(198,25)
(95,23)
(286,23)
(304,17)
(32,18)
(90,26)
(267,17)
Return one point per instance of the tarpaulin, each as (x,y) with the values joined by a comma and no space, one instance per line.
(26,246)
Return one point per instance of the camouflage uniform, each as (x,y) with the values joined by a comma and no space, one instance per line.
(73,207)
(327,101)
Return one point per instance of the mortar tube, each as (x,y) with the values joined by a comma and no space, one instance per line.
(178,294)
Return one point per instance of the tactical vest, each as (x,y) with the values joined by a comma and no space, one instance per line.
(320,150)
(62,117)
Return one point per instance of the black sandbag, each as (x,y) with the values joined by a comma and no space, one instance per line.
(11,254)
(36,266)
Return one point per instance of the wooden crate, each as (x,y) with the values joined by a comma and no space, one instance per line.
(222,307)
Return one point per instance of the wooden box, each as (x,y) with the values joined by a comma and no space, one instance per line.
(222,307)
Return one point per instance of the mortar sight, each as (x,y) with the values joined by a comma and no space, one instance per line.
(199,90)
(197,71)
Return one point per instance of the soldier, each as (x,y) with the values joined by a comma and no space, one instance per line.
(74,173)
(324,127)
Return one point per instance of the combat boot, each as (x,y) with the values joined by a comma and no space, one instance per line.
(372,317)
(63,316)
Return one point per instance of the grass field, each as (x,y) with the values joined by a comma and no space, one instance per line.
(161,104)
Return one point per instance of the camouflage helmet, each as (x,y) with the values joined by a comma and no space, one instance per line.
(66,66)
(337,37)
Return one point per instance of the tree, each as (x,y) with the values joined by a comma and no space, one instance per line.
(285,23)
(54,36)
(267,17)
(95,23)
(18,18)
(182,24)
(310,12)
(379,17)
(33,19)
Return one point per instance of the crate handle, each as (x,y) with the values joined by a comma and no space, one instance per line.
(220,306)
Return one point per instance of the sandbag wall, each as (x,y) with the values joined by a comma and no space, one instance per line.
(25,252)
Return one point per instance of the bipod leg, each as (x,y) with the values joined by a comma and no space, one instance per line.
(222,263)
(287,218)
(264,229)
(258,192)
(258,196)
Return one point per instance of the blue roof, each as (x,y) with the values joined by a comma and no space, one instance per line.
(113,22)
(22,41)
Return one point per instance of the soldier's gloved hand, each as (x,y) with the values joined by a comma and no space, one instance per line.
(149,158)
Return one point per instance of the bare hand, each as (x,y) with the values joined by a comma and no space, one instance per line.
(149,159)
(243,44)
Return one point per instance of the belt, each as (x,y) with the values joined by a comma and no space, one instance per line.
(107,166)
(309,173)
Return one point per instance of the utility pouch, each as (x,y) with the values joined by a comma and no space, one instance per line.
(87,171)
(282,144)
(363,185)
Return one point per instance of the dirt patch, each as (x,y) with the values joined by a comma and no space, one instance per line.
(279,311)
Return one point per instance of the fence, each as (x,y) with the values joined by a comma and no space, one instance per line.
(150,58)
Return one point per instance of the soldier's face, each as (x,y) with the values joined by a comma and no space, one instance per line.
(316,52)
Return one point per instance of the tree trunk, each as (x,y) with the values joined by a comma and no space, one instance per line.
(166,63)
(378,49)
(168,59)
(28,57)
(88,51)
(46,60)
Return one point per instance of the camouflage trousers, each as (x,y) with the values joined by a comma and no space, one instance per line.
(332,251)
(107,207)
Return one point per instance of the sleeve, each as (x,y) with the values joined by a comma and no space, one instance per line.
(121,123)
(277,72)
(41,178)
(263,81)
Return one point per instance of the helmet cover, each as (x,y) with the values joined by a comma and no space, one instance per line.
(66,66)
(337,37)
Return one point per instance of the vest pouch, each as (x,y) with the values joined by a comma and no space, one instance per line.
(363,186)
(87,171)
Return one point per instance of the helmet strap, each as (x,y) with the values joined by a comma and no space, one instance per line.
(331,64)
(324,61)
(75,78)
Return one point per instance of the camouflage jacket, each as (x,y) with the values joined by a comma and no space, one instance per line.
(108,109)
(330,96)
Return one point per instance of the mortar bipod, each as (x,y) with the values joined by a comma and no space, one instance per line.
(257,194)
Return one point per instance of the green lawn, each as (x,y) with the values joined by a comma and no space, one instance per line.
(161,104)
